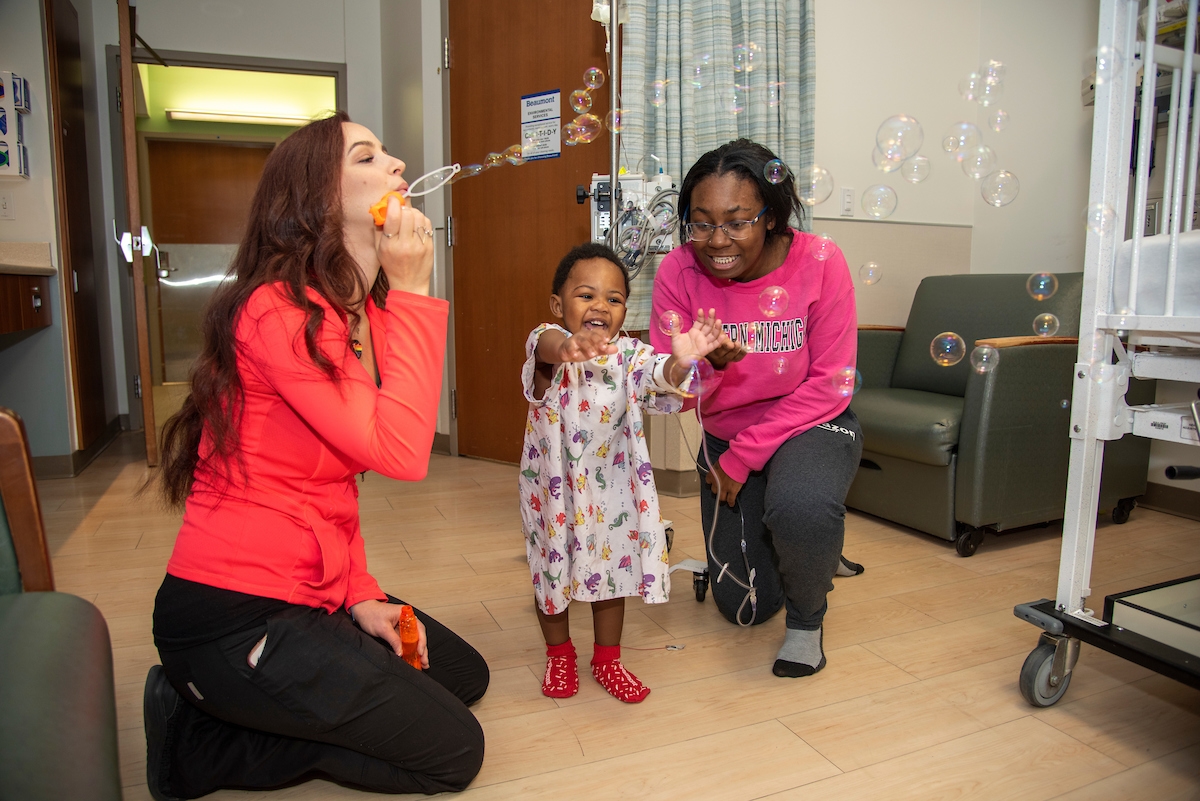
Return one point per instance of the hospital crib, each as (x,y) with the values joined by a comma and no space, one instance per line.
(1140,318)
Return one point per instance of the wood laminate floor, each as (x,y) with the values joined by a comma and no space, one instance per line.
(919,699)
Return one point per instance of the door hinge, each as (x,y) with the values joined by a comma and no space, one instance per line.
(75,281)
(446,53)
(119,109)
(137,386)
(449,231)
(454,404)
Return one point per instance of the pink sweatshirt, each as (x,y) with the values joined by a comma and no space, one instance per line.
(749,404)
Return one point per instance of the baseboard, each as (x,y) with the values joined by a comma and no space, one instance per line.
(677,483)
(1172,500)
(69,465)
(441,444)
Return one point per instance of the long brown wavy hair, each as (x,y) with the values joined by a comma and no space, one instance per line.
(294,237)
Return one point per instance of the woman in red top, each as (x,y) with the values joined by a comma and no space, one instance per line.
(323,359)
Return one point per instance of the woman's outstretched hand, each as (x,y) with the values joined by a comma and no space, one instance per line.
(405,248)
(382,620)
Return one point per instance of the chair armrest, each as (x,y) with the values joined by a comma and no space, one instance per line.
(1014,442)
(877,349)
(1015,342)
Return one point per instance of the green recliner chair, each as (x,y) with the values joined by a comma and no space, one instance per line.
(953,452)
(58,713)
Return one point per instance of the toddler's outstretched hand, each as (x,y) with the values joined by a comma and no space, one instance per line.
(585,346)
(699,340)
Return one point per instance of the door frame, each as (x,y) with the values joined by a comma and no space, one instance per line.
(136,373)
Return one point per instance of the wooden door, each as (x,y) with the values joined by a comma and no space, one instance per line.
(200,195)
(76,258)
(512,224)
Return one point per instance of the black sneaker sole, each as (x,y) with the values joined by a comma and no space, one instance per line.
(159,703)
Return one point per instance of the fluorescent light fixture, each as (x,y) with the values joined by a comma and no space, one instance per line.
(203,281)
(235,116)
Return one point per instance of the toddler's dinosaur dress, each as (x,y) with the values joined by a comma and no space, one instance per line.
(589,508)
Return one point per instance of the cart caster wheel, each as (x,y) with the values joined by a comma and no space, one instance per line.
(700,585)
(968,541)
(1035,678)
(1120,512)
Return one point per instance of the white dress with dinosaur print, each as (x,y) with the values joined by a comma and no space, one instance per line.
(589,508)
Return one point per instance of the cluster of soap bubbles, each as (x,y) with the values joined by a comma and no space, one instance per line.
(584,128)
(587,126)
(964,140)
(706,72)
(947,348)
(897,142)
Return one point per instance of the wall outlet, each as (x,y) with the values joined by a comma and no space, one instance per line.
(847,202)
(7,212)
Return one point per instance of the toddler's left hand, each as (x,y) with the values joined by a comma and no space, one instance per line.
(699,340)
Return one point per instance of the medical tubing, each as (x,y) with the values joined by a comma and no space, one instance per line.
(751,593)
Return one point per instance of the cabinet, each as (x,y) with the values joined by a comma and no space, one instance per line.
(24,303)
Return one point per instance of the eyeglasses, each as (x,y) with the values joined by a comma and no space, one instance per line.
(734,229)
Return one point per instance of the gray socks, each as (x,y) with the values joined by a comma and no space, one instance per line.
(847,568)
(801,654)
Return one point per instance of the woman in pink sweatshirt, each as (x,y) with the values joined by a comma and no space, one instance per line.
(785,445)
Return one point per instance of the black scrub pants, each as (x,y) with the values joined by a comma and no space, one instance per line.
(793,516)
(325,701)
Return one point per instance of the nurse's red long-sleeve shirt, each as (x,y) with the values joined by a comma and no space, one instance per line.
(289,529)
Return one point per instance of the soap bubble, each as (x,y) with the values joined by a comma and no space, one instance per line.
(774,94)
(847,381)
(670,323)
(514,155)
(1045,325)
(902,134)
(1102,372)
(733,98)
(1042,286)
(915,169)
(984,358)
(822,247)
(991,93)
(961,137)
(773,301)
(615,120)
(701,375)
(780,365)
(593,78)
(998,120)
(746,57)
(702,71)
(886,162)
(999,188)
(978,161)
(1099,218)
(870,273)
(815,185)
(947,348)
(775,171)
(656,93)
(971,86)
(993,72)
(1107,65)
(493,160)
(879,201)
(1064,403)
(581,101)
(570,134)
(469,171)
(587,127)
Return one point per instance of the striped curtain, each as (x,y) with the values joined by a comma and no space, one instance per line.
(666,40)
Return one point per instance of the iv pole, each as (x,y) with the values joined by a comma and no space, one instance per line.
(614,67)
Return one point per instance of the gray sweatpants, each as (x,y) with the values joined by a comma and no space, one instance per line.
(793,515)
